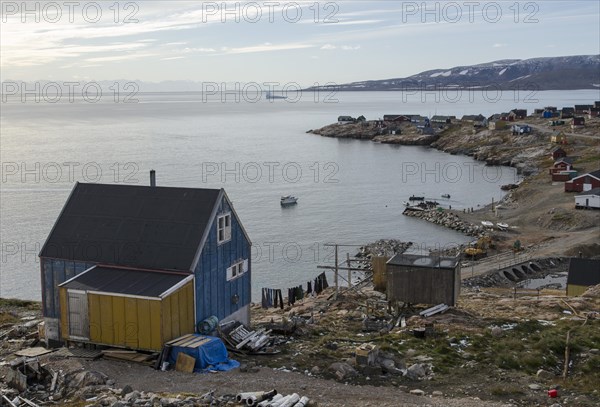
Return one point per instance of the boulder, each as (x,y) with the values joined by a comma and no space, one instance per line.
(86,378)
(416,372)
(342,370)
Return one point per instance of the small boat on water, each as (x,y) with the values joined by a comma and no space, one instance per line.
(271,96)
(416,198)
(502,226)
(487,224)
(447,196)
(288,200)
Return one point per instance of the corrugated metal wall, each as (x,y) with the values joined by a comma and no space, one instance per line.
(136,323)
(379,273)
(213,292)
(421,285)
(178,313)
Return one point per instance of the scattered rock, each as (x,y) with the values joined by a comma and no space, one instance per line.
(417,392)
(497,332)
(342,370)
(534,386)
(544,375)
(416,372)
(85,379)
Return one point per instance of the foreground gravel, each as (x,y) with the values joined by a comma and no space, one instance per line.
(327,393)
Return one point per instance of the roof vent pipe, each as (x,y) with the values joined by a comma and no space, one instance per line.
(152,178)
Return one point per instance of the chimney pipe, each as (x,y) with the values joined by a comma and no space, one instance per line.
(152,178)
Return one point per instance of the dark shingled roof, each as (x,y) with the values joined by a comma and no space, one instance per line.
(125,281)
(568,160)
(416,260)
(583,272)
(133,226)
(594,191)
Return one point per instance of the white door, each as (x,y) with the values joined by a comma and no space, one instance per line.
(79,325)
(587,187)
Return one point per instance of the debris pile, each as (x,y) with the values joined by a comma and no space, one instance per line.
(238,337)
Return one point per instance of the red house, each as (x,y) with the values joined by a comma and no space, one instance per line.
(585,182)
(578,122)
(562,164)
(558,153)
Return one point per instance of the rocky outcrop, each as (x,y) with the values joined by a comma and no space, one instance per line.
(407,140)
(448,220)
(358,131)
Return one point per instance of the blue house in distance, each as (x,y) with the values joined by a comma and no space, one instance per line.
(189,232)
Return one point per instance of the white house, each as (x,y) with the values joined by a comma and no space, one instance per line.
(588,199)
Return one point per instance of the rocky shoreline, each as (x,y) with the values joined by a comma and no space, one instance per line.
(448,220)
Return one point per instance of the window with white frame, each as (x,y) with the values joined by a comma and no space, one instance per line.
(237,270)
(224,228)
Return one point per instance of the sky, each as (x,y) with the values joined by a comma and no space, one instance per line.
(306,42)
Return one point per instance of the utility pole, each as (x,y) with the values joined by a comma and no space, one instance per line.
(349,271)
(335,278)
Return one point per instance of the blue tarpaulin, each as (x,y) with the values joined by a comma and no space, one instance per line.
(210,354)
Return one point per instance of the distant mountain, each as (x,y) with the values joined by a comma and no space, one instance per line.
(553,73)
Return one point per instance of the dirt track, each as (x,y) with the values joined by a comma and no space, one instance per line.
(327,393)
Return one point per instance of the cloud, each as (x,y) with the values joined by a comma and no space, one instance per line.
(267,47)
(343,47)
(171,58)
(499,45)
(201,49)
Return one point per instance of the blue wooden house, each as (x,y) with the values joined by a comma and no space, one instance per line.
(115,248)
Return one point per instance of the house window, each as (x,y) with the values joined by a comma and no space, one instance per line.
(224,228)
(237,270)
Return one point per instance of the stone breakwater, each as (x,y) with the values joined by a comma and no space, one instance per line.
(448,220)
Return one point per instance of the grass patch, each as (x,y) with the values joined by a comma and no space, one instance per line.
(13,302)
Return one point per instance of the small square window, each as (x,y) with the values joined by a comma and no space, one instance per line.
(237,270)
(224,228)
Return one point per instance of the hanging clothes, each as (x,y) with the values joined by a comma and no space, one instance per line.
(280,298)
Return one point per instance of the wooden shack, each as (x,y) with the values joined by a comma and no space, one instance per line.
(421,279)
(127,308)
(143,234)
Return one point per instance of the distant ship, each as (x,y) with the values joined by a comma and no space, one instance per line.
(271,96)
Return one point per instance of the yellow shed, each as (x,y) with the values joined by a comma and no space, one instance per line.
(583,274)
(136,309)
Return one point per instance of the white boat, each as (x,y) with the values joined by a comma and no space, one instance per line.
(288,200)
(487,224)
(502,226)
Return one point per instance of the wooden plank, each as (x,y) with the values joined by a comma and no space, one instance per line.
(202,342)
(95,318)
(185,363)
(156,325)
(119,318)
(33,352)
(144,331)
(176,341)
(187,343)
(64,313)
(131,323)
(106,323)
